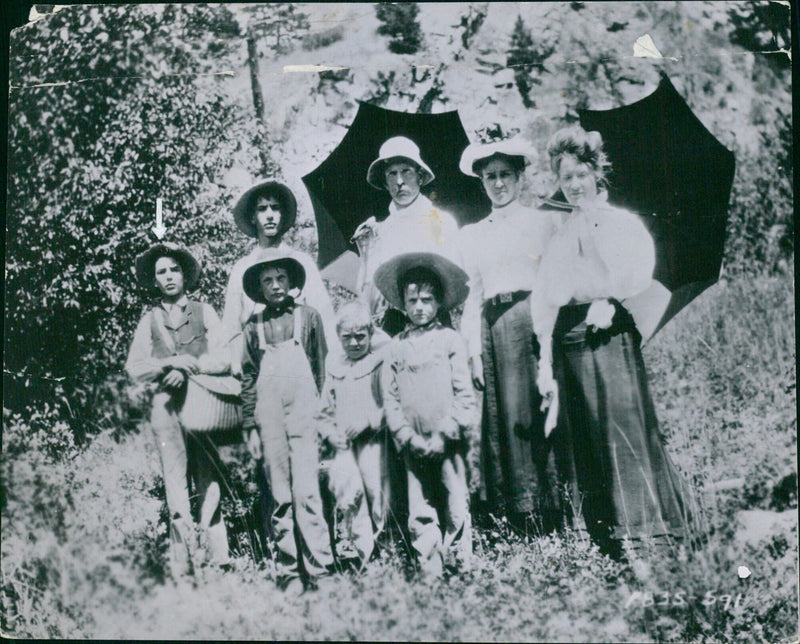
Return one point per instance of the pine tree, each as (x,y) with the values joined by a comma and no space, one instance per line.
(522,56)
(400,22)
(762,26)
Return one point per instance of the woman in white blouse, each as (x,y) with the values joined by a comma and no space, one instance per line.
(609,451)
(501,256)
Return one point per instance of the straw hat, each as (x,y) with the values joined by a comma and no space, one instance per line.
(513,147)
(251,279)
(245,206)
(145,265)
(398,148)
(453,279)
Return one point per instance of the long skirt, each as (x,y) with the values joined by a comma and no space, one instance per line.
(611,459)
(515,477)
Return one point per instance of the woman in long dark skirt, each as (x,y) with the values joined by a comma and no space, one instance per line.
(610,455)
(501,256)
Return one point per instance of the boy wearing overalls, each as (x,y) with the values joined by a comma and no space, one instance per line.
(429,405)
(354,439)
(282,374)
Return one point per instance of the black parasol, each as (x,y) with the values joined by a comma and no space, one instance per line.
(668,168)
(342,198)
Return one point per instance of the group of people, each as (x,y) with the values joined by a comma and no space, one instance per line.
(367,416)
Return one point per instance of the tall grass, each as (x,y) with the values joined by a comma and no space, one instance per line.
(84,534)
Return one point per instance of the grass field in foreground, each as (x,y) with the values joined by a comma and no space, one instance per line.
(83,548)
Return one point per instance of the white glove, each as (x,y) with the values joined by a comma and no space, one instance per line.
(600,314)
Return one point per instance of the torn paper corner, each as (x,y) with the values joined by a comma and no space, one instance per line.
(644,47)
(289,69)
(34,15)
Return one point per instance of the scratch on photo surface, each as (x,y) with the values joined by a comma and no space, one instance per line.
(293,69)
(101,78)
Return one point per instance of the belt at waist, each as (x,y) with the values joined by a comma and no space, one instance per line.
(570,324)
(505,299)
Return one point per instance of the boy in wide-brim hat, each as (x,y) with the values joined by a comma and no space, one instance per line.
(429,405)
(283,369)
(175,339)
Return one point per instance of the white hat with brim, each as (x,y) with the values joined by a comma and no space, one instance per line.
(145,265)
(396,149)
(453,279)
(251,280)
(243,210)
(513,147)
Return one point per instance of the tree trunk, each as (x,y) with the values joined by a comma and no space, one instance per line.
(258,102)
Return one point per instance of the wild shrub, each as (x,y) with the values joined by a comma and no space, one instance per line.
(761,223)
(399,21)
(324,38)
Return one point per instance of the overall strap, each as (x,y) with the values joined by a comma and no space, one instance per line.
(298,326)
(262,340)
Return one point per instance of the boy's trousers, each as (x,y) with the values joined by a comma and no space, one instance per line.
(371,457)
(286,403)
(171,446)
(358,481)
(438,502)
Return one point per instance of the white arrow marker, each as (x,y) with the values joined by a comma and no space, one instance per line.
(159,229)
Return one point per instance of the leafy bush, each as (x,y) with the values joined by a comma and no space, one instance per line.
(761,222)
(87,162)
(320,39)
(762,26)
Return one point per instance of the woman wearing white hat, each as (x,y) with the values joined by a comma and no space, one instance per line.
(501,256)
(414,223)
(267,211)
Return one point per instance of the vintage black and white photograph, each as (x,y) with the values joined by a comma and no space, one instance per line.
(401,321)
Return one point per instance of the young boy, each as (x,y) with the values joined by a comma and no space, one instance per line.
(429,401)
(351,424)
(282,374)
(175,340)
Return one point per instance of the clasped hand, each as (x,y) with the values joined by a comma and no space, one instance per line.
(341,438)
(432,448)
(183,362)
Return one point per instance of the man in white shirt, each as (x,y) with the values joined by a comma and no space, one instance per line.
(414,224)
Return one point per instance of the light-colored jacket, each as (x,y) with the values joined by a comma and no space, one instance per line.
(426,384)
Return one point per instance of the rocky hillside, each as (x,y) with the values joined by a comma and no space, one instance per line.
(587,60)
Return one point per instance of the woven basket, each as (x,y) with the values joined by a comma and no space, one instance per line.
(207,411)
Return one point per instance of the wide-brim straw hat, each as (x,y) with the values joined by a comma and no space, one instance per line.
(453,279)
(145,265)
(398,148)
(513,147)
(251,282)
(244,210)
